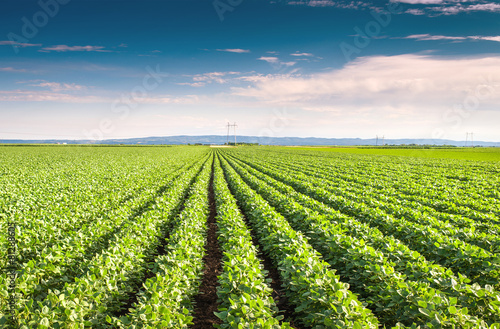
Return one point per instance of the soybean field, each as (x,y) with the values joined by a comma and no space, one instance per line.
(246,237)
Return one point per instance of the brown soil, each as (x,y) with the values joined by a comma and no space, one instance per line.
(206,300)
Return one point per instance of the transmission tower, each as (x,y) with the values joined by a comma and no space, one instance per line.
(234,125)
(471,134)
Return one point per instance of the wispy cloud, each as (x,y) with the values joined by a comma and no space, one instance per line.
(56,86)
(298,54)
(448,7)
(421,2)
(269,59)
(79,98)
(236,50)
(485,7)
(497,39)
(430,37)
(19,44)
(11,69)
(48,96)
(200,80)
(275,61)
(423,7)
(414,11)
(346,4)
(192,84)
(64,48)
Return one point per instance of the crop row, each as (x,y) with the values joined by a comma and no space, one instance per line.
(244,294)
(166,300)
(450,188)
(472,261)
(54,249)
(113,274)
(353,249)
(320,298)
(484,235)
(414,187)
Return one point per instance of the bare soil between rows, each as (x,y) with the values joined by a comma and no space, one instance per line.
(206,300)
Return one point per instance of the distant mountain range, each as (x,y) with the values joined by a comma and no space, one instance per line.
(215,139)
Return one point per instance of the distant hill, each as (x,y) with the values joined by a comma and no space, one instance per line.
(215,139)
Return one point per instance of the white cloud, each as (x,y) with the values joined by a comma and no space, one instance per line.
(47,96)
(269,59)
(485,7)
(497,39)
(429,37)
(200,80)
(11,69)
(79,98)
(346,4)
(275,61)
(56,86)
(19,44)
(403,83)
(314,3)
(64,48)
(192,84)
(237,50)
(253,78)
(414,11)
(298,54)
(420,2)
(449,7)
(168,99)
(425,7)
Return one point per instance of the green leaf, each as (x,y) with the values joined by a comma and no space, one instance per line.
(424,311)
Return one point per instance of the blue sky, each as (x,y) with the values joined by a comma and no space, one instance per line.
(83,69)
